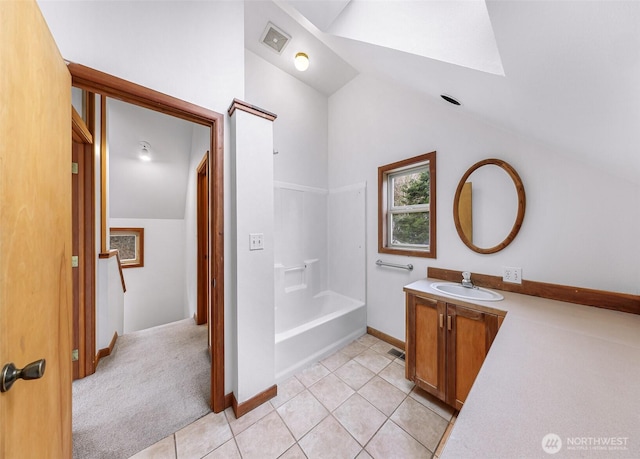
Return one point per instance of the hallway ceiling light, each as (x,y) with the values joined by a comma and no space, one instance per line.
(302,62)
(145,151)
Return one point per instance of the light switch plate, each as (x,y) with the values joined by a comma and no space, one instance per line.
(256,241)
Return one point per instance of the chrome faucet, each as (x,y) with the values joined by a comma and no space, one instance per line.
(466,279)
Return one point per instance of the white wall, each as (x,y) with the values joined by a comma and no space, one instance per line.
(155,292)
(308,222)
(147,43)
(300,167)
(300,131)
(580,227)
(153,195)
(199,146)
(110,317)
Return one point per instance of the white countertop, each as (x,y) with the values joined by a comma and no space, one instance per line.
(557,368)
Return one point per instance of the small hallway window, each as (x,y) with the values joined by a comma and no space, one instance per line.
(407,207)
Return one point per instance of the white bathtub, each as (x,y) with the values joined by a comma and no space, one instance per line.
(306,333)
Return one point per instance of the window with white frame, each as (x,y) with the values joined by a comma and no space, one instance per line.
(406,207)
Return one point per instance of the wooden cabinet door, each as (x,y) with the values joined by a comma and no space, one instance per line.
(426,344)
(469,337)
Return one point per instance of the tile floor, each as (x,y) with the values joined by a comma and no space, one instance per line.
(355,403)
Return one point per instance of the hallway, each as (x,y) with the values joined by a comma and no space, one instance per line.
(155,382)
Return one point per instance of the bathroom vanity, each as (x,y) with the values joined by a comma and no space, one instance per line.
(446,344)
(526,367)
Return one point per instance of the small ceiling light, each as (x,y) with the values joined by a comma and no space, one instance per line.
(450,99)
(145,153)
(302,62)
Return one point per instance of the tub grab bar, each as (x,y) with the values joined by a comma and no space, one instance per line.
(295,268)
(408,267)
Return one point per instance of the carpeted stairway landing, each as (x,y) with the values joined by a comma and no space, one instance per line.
(155,382)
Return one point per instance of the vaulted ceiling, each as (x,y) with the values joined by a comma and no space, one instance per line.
(565,74)
(157,188)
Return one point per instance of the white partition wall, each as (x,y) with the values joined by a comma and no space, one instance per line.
(110,312)
(252,191)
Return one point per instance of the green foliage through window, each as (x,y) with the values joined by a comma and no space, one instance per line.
(410,190)
(411,229)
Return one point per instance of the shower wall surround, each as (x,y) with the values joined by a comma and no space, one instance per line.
(325,228)
(318,272)
(301,231)
(347,237)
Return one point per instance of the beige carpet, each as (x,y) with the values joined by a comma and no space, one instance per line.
(155,382)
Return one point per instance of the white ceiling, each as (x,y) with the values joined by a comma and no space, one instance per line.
(451,31)
(327,72)
(321,13)
(563,73)
(571,81)
(155,189)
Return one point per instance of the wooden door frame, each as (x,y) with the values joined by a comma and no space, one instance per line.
(202,223)
(126,91)
(84,241)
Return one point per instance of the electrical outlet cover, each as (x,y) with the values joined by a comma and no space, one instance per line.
(512,275)
(517,275)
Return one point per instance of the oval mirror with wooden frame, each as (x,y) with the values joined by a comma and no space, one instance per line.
(463,205)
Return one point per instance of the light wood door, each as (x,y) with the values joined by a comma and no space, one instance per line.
(35,234)
(426,336)
(470,335)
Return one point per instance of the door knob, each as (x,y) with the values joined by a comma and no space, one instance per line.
(10,374)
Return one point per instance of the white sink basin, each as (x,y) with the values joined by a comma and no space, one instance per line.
(457,290)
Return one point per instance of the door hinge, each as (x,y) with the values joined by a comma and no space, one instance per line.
(74,355)
(74,168)
(75,261)
(213,282)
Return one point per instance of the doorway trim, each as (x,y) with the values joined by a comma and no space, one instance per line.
(126,91)
(83,229)
(202,219)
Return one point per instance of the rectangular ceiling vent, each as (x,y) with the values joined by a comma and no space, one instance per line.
(275,38)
